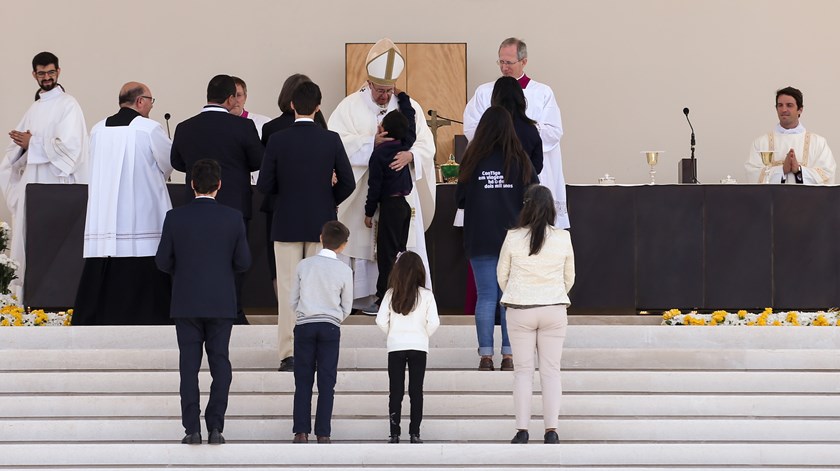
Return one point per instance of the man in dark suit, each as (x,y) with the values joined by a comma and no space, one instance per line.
(298,168)
(203,245)
(231,141)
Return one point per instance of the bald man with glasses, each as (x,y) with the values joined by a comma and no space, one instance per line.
(542,108)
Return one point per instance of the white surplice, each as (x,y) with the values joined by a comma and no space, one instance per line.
(816,159)
(259,121)
(355,120)
(57,153)
(127,195)
(542,108)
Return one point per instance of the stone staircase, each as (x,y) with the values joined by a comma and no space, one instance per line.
(636,397)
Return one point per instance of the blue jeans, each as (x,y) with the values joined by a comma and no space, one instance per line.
(489,294)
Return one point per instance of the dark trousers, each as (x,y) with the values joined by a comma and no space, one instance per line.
(391,237)
(397,361)
(214,336)
(316,349)
(239,280)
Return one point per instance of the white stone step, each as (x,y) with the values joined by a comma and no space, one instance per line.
(579,336)
(349,381)
(448,358)
(375,405)
(466,428)
(601,457)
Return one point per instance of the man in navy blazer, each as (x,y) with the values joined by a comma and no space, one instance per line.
(307,169)
(202,246)
(231,141)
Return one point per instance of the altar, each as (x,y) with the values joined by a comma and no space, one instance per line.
(637,248)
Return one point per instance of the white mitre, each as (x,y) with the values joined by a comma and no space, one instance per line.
(384,63)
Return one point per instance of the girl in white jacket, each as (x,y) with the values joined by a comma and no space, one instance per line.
(408,314)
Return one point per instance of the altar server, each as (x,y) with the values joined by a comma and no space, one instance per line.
(799,156)
(49,145)
(542,108)
(356,120)
(127,203)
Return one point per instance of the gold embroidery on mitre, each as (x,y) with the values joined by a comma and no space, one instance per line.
(384,63)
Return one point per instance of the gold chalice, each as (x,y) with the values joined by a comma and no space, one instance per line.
(767,160)
(652,157)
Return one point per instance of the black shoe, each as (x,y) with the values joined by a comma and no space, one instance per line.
(394,439)
(415,438)
(192,439)
(287,364)
(216,437)
(323,439)
(551,437)
(485,364)
(520,437)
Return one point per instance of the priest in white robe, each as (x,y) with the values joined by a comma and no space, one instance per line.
(799,156)
(542,108)
(49,145)
(356,120)
(127,204)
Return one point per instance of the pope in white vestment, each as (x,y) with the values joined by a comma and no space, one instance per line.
(57,153)
(356,121)
(812,152)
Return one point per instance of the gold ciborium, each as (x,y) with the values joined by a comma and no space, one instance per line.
(652,157)
(767,160)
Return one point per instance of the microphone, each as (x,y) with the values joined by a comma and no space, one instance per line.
(693,143)
(166,116)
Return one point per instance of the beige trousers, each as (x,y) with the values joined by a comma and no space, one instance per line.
(540,330)
(286,256)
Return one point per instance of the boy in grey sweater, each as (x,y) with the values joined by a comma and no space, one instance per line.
(321,297)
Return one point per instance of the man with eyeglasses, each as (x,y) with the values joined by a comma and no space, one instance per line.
(356,120)
(49,145)
(542,108)
(127,203)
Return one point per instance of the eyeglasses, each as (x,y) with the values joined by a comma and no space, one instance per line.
(44,73)
(507,63)
(149,98)
(382,91)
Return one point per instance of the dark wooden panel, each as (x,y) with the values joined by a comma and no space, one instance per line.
(805,247)
(669,246)
(604,244)
(738,244)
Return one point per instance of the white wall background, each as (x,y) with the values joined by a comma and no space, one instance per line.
(622,70)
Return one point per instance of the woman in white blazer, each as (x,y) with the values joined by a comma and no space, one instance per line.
(536,270)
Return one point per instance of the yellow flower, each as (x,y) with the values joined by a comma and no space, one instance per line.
(768,310)
(718,317)
(742,314)
(751,323)
(4,322)
(777,322)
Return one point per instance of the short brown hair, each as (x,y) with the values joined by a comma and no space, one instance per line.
(334,234)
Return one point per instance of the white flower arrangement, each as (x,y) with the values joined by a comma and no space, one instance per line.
(742,317)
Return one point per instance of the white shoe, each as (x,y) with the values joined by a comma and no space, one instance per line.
(371,310)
